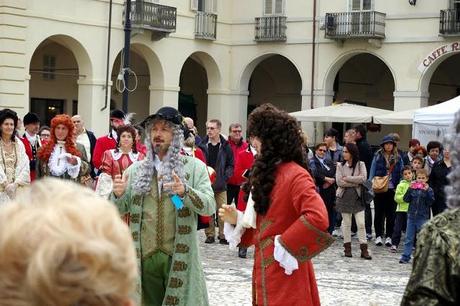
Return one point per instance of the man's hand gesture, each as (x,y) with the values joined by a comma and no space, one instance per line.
(119,184)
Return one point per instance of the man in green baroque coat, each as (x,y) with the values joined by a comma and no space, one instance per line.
(163,194)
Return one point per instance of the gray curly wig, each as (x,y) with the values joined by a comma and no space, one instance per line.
(453,144)
(172,161)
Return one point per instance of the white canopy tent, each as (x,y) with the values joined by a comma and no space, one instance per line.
(343,112)
(434,122)
(396,118)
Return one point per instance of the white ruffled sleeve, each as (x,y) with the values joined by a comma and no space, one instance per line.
(74,170)
(233,233)
(104,185)
(286,260)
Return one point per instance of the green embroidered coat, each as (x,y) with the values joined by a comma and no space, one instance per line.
(435,278)
(186,285)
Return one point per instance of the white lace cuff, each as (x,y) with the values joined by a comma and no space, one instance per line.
(286,260)
(234,233)
(104,185)
(74,170)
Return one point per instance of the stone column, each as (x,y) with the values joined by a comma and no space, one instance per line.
(163,96)
(14,78)
(404,100)
(91,100)
(229,107)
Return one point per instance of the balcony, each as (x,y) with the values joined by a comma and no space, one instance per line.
(159,19)
(271,28)
(370,25)
(205,25)
(449,23)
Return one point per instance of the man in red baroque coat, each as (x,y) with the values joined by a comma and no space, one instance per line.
(285,219)
(108,142)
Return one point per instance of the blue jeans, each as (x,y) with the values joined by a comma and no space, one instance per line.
(414,224)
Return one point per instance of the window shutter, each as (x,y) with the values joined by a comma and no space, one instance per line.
(355,5)
(194,5)
(268,10)
(279,7)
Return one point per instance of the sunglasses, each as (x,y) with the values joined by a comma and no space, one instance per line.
(321,150)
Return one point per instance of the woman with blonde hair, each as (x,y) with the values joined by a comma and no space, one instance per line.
(58,249)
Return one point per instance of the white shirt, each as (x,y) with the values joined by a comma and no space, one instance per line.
(83,139)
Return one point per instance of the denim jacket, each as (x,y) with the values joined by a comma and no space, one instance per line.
(419,201)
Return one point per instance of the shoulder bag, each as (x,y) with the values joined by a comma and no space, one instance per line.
(380,183)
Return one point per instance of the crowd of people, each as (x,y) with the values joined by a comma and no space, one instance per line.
(167,183)
(413,184)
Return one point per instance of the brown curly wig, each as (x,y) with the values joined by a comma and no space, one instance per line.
(130,129)
(45,152)
(282,141)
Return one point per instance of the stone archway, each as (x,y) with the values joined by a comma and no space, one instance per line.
(55,68)
(200,75)
(365,79)
(444,83)
(275,79)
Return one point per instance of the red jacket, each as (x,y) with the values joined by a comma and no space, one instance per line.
(103,144)
(236,149)
(298,214)
(32,158)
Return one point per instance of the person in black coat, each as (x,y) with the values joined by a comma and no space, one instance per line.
(365,155)
(323,171)
(438,181)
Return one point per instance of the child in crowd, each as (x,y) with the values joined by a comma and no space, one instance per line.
(420,197)
(401,208)
(417,163)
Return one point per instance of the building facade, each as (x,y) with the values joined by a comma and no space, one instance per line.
(220,59)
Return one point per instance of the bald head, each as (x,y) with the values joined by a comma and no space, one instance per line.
(189,122)
(79,124)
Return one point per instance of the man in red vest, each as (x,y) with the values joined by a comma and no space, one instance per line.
(31,140)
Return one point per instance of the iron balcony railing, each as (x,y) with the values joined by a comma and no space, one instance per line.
(152,16)
(271,28)
(205,25)
(348,25)
(449,22)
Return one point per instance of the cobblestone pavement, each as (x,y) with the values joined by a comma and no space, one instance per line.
(341,280)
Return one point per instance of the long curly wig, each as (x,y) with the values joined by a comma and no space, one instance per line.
(171,162)
(45,152)
(9,114)
(282,141)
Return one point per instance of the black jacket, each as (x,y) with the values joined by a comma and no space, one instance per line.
(92,144)
(438,180)
(319,173)
(365,153)
(224,164)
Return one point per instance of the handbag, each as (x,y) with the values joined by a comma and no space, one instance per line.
(367,193)
(380,183)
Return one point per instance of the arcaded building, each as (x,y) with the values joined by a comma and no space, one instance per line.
(220,59)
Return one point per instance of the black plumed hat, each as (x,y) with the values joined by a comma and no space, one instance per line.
(116,113)
(30,118)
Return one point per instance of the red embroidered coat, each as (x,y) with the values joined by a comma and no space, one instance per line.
(298,214)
